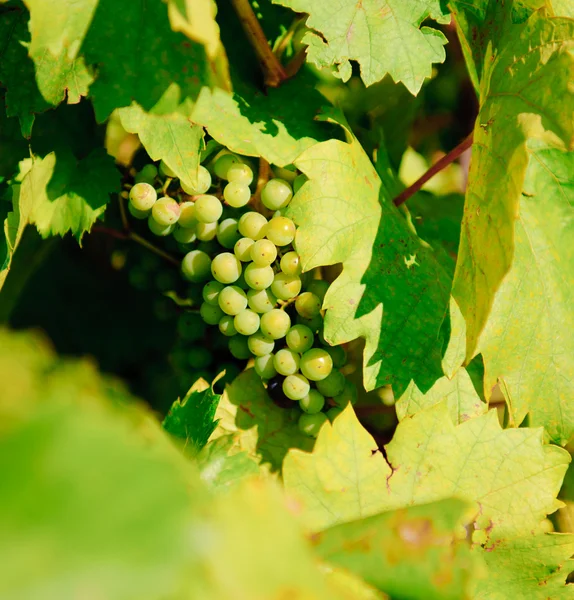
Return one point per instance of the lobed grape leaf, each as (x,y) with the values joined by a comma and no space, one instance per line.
(383,37)
(392,291)
(527,343)
(515,106)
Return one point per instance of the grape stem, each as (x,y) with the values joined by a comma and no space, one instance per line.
(436,168)
(262,179)
(273,71)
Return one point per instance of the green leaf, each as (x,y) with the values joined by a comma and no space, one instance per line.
(193,418)
(408,553)
(256,424)
(171,138)
(526,343)
(384,37)
(392,291)
(514,106)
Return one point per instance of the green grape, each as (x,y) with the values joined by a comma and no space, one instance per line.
(227,234)
(232,300)
(184,235)
(261,301)
(286,362)
(199,358)
(299,338)
(247,322)
(158,229)
(280,230)
(226,268)
(316,364)
(313,324)
(295,386)
(142,196)
(196,266)
(286,287)
(312,403)
(187,214)
(252,225)
(147,174)
(165,170)
(291,263)
(260,344)
(206,231)
(242,249)
(308,305)
(311,424)
(237,194)
(223,164)
(258,278)
(338,355)
(165,211)
(190,327)
(276,194)
(138,214)
(333,413)
(211,291)
(348,395)
(208,209)
(211,314)
(240,173)
(318,287)
(239,348)
(264,366)
(333,385)
(298,183)
(203,183)
(275,323)
(166,281)
(226,326)
(263,253)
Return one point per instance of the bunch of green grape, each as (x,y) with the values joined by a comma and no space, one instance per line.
(252,288)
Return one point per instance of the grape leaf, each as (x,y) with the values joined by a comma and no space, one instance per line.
(392,291)
(168,137)
(68,195)
(527,342)
(407,553)
(383,37)
(533,57)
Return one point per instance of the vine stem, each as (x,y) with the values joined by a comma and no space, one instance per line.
(273,71)
(143,242)
(438,166)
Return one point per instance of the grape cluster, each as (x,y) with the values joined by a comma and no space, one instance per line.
(249,273)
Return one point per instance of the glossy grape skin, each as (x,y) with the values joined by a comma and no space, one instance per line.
(147,174)
(298,182)
(276,194)
(237,194)
(208,209)
(333,413)
(223,163)
(138,214)
(264,366)
(165,211)
(187,214)
(260,345)
(338,355)
(291,263)
(348,395)
(296,386)
(232,300)
(239,348)
(308,305)
(226,268)
(206,231)
(240,173)
(280,230)
(166,171)
(263,253)
(157,229)
(184,235)
(312,424)
(258,278)
(203,183)
(312,403)
(316,364)
(211,314)
(227,234)
(210,292)
(142,196)
(196,266)
(299,338)
(242,249)
(247,322)
(226,326)
(286,287)
(286,362)
(275,323)
(261,301)
(333,385)
(318,287)
(252,225)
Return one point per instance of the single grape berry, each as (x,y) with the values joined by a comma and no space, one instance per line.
(280,230)
(190,327)
(239,348)
(286,362)
(261,301)
(232,300)
(308,305)
(227,234)
(158,229)
(276,194)
(314,324)
(312,403)
(252,225)
(211,291)
(196,266)
(275,390)
(223,163)
(311,424)
(291,263)
(211,314)
(165,211)
(166,171)
(240,173)
(260,345)
(275,324)
(286,287)
(147,174)
(199,358)
(184,235)
(347,396)
(138,214)
(332,385)
(246,322)
(206,231)
(226,268)
(237,194)
(226,326)
(318,287)
(142,196)
(187,214)
(299,338)
(203,183)
(316,364)
(296,386)
(264,367)
(263,253)
(242,249)
(338,355)
(258,278)
(208,209)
